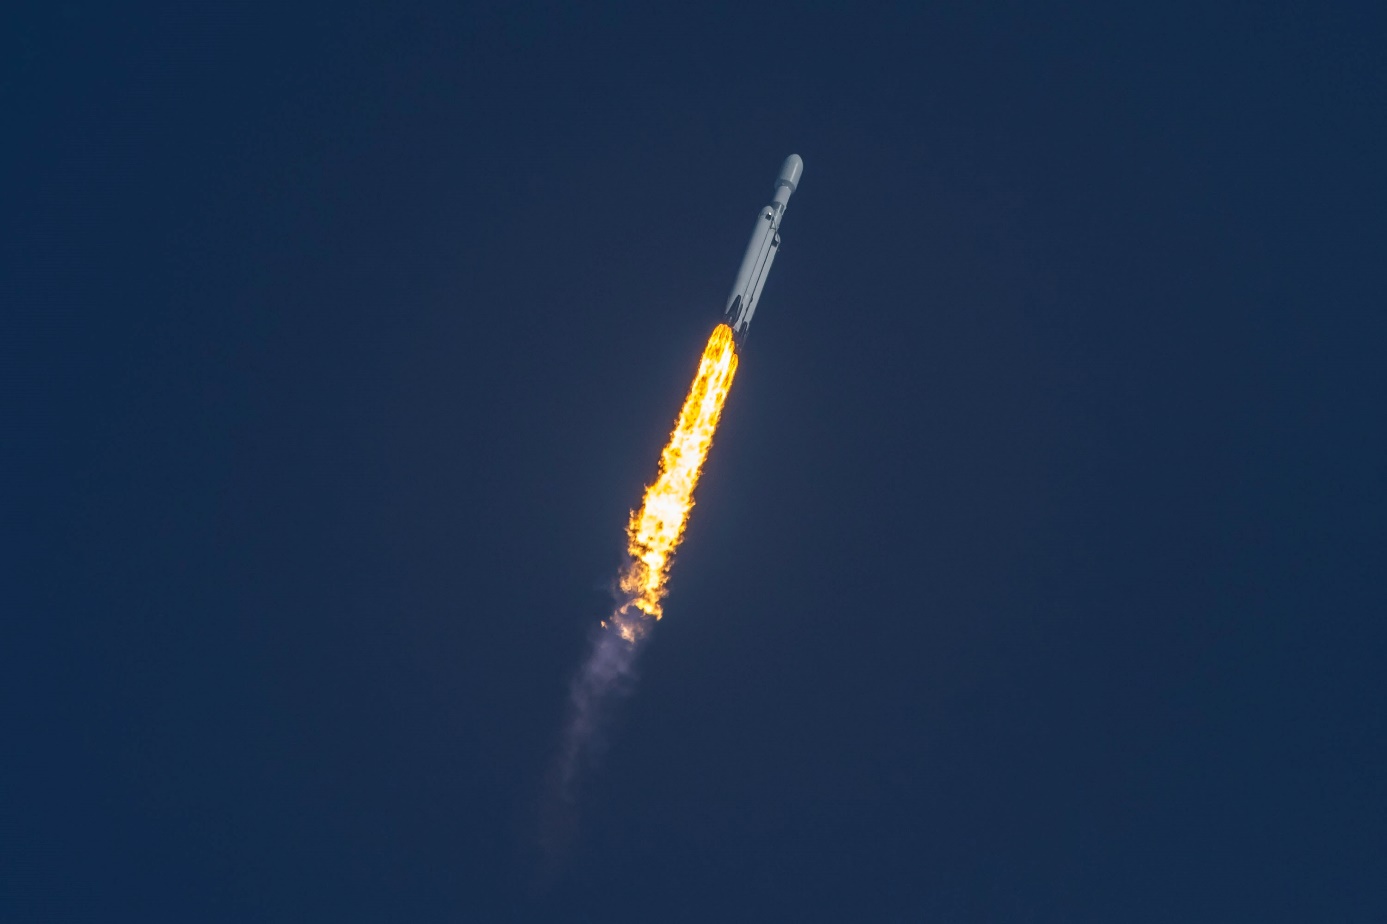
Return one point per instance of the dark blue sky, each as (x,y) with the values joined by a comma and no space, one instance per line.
(1037,573)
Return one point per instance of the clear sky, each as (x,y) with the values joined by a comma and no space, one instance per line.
(1036,574)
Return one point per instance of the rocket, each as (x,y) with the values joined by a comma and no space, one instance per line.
(760,252)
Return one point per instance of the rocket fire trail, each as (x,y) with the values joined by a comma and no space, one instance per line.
(652,536)
(654,531)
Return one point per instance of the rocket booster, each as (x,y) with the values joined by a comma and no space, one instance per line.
(760,252)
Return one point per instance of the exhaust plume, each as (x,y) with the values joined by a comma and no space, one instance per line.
(653,535)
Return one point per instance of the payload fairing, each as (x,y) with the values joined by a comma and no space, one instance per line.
(760,252)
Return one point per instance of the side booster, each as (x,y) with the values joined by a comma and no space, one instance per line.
(760,252)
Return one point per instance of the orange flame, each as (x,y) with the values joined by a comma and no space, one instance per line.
(655,530)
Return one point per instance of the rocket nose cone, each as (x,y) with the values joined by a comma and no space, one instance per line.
(790,172)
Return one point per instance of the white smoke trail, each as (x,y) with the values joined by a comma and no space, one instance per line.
(606,677)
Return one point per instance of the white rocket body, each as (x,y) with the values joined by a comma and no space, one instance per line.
(760,251)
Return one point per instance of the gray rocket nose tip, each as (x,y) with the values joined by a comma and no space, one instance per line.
(790,172)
